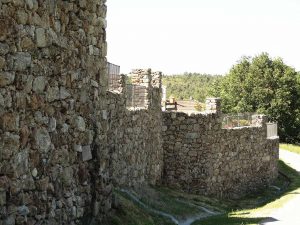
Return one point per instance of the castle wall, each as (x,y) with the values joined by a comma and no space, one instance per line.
(200,157)
(136,134)
(53,144)
(65,140)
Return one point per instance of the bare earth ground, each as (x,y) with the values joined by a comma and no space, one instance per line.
(289,213)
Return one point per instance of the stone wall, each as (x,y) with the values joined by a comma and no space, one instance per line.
(200,157)
(135,134)
(64,140)
(53,142)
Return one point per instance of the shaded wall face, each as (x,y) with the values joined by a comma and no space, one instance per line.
(200,157)
(52,108)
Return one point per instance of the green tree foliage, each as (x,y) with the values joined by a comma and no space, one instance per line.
(263,85)
(187,85)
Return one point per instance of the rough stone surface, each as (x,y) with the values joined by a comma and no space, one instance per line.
(200,157)
(136,135)
(39,84)
(44,66)
(65,140)
(40,37)
(6,78)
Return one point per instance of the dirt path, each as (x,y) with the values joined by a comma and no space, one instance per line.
(289,213)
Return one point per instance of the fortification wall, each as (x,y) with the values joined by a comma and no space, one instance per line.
(64,138)
(53,145)
(200,157)
(136,134)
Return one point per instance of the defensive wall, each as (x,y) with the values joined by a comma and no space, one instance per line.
(66,141)
(201,157)
(54,160)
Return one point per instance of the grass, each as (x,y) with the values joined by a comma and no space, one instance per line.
(129,213)
(249,212)
(230,219)
(162,199)
(290,147)
(252,209)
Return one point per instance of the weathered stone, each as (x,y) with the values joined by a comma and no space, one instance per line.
(36,102)
(9,122)
(86,153)
(10,220)
(104,114)
(79,123)
(42,184)
(41,37)
(52,93)
(192,135)
(28,183)
(2,101)
(2,63)
(77,148)
(29,4)
(2,197)
(42,45)
(23,210)
(39,84)
(4,183)
(22,17)
(6,78)
(7,27)
(64,93)
(34,172)
(27,43)
(42,139)
(4,48)
(9,144)
(67,176)
(52,124)
(65,128)
(21,163)
(22,61)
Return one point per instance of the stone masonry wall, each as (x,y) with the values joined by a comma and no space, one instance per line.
(135,135)
(200,157)
(53,142)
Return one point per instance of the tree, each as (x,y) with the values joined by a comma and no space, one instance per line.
(263,85)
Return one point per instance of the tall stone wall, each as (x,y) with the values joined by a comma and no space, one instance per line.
(53,142)
(136,135)
(200,157)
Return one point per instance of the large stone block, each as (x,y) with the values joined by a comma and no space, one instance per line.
(41,40)
(22,61)
(42,139)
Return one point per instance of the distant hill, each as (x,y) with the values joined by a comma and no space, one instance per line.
(187,85)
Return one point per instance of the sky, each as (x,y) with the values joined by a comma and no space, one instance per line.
(204,36)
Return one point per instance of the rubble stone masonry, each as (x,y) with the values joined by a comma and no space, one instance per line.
(65,140)
(200,157)
(53,142)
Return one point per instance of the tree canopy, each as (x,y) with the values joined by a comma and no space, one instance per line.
(263,85)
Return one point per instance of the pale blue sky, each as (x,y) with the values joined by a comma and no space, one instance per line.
(206,36)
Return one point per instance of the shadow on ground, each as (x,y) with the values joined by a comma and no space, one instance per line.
(127,211)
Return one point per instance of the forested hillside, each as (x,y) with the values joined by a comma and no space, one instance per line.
(189,85)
